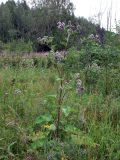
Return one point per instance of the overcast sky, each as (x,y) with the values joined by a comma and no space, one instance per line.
(90,8)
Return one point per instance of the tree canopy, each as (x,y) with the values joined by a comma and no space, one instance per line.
(20,21)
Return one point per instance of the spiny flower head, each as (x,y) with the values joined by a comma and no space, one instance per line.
(58,56)
(79,88)
(61,25)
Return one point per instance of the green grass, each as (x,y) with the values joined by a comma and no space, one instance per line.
(89,127)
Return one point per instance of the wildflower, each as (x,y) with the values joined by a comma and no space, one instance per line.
(66,83)
(58,56)
(97,38)
(47,126)
(61,25)
(18,91)
(95,67)
(43,40)
(39,39)
(79,82)
(79,88)
(91,37)
(70,26)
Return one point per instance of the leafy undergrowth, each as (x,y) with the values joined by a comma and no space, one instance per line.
(89,127)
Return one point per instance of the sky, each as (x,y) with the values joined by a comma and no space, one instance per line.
(91,8)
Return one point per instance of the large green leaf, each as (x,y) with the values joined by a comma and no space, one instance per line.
(43,119)
(66,111)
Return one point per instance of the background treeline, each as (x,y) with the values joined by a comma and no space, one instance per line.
(19,22)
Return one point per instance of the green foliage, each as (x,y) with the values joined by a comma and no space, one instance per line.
(89,123)
(19,21)
(63,106)
(19,47)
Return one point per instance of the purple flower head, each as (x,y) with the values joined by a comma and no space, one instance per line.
(97,38)
(79,88)
(69,23)
(91,36)
(58,56)
(61,25)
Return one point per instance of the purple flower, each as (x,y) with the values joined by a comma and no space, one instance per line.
(58,56)
(61,25)
(79,87)
(91,37)
(96,38)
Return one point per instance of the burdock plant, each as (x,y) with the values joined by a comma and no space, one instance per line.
(59,59)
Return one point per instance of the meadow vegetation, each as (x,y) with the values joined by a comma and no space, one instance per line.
(36,90)
(65,104)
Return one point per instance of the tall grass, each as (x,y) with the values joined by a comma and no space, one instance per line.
(90,123)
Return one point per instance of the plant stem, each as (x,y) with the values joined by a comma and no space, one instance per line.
(59,105)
